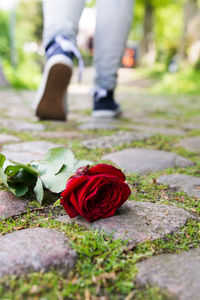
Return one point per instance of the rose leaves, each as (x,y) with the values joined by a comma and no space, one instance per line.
(50,173)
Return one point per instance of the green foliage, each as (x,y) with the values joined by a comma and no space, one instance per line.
(186,81)
(155,3)
(104,267)
(102,262)
(90,3)
(188,237)
(26,75)
(18,178)
(38,190)
(137,25)
(57,166)
(4,36)
(29,22)
(168,29)
(51,173)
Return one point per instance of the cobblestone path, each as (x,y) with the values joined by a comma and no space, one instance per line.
(150,249)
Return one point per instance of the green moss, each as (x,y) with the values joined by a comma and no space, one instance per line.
(104,266)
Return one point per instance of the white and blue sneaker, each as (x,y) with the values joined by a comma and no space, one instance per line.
(50,101)
(104,105)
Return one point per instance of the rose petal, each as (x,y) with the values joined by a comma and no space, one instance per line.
(96,194)
(69,208)
(116,193)
(71,185)
(107,170)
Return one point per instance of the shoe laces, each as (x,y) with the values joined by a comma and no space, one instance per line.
(99,93)
(67,45)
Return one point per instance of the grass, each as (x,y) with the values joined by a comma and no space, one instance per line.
(26,75)
(185,81)
(105,267)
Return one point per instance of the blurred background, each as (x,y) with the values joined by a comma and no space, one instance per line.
(163,45)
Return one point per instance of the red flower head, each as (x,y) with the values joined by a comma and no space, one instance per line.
(95,192)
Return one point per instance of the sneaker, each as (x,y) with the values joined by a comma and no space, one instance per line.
(50,102)
(104,104)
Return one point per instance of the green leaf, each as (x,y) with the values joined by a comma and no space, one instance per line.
(11,171)
(19,189)
(58,165)
(17,177)
(27,167)
(57,203)
(34,164)
(54,168)
(38,190)
(55,159)
(2,160)
(24,177)
(56,183)
(81,163)
(3,176)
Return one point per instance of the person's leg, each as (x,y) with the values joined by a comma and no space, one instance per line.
(114,19)
(61,19)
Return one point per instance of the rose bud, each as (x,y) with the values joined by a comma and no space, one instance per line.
(95,192)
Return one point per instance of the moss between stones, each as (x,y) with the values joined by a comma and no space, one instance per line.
(106,267)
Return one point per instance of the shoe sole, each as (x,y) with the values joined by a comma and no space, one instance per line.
(50,102)
(106,113)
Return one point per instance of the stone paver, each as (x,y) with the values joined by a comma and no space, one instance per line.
(191,126)
(138,221)
(177,273)
(27,151)
(12,98)
(19,125)
(186,183)
(21,112)
(7,138)
(96,124)
(118,139)
(10,205)
(158,130)
(40,249)
(190,143)
(58,134)
(154,121)
(136,160)
(34,250)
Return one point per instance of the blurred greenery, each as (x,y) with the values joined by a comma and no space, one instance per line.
(186,81)
(26,74)
(4,36)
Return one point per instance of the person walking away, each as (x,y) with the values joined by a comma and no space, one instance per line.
(61,19)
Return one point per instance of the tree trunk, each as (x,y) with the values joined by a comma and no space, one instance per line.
(148,49)
(3,81)
(190,11)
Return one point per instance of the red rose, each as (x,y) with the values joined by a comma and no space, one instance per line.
(95,192)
